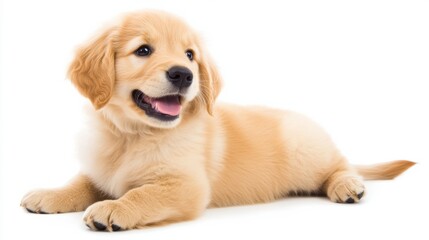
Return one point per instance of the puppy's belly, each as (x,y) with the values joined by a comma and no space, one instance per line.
(269,154)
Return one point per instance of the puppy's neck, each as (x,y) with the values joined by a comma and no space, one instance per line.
(116,122)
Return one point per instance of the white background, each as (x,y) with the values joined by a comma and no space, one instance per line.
(359,68)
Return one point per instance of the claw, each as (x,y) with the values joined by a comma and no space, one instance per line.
(99,226)
(30,211)
(116,227)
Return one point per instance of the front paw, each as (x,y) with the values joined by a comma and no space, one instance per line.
(50,201)
(110,215)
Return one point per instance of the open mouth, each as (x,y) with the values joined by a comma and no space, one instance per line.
(165,108)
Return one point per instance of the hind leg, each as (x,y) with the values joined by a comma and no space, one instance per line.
(344,186)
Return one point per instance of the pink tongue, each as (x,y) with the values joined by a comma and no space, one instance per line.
(168,105)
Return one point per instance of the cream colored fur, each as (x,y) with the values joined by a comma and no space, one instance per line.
(138,170)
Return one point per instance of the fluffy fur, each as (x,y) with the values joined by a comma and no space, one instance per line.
(138,170)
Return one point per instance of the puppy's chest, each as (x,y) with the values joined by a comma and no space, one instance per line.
(117,165)
(124,165)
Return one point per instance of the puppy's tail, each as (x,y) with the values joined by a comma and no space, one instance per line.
(384,171)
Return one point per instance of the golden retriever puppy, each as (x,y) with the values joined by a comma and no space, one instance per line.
(159,149)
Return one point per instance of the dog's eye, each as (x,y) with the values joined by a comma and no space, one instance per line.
(144,50)
(190,54)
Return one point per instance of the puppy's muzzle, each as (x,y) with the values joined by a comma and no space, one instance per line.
(180,77)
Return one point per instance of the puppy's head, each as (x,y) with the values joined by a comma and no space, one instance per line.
(150,69)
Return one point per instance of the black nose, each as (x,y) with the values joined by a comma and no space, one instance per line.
(180,76)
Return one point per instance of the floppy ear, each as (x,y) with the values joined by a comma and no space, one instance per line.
(211,82)
(93,69)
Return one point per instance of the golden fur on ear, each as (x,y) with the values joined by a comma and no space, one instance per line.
(93,69)
(211,82)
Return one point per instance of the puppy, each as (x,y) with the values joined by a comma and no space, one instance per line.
(159,150)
